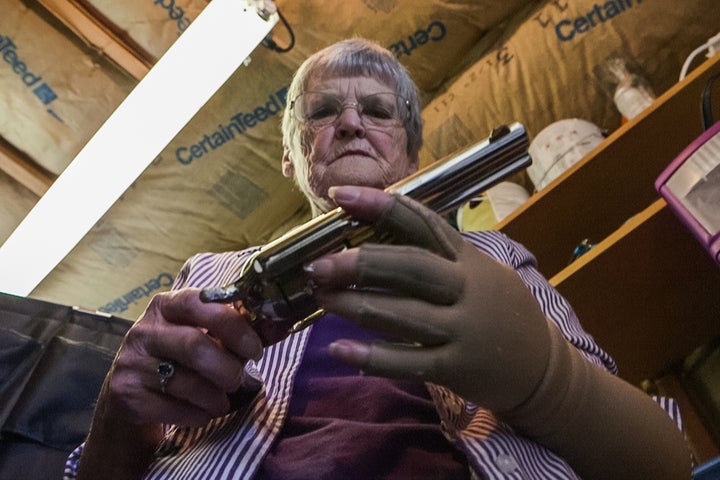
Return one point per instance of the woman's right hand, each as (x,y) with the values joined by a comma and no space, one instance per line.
(207,346)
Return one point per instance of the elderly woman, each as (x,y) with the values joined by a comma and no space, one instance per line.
(494,378)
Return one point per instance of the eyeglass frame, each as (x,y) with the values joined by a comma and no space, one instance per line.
(401,101)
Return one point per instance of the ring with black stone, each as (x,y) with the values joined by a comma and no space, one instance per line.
(165,371)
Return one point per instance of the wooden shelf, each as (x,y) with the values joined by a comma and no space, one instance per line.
(648,293)
(613,182)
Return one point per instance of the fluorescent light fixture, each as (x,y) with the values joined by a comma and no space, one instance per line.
(181,82)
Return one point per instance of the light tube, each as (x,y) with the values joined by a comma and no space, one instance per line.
(180,83)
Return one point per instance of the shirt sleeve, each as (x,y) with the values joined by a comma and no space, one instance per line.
(212,269)
(71,465)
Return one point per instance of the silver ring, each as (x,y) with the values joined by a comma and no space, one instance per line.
(165,371)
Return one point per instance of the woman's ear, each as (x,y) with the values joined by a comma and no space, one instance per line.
(288,168)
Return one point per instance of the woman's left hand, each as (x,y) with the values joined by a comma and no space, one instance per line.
(466,321)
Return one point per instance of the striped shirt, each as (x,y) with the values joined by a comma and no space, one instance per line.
(233,447)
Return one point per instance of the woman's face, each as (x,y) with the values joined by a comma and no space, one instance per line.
(352,150)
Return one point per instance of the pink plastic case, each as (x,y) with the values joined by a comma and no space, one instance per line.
(691,187)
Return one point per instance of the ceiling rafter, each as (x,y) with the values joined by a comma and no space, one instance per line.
(23,169)
(101,35)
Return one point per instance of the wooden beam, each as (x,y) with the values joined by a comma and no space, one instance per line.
(99,34)
(20,167)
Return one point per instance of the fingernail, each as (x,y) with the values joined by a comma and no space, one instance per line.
(344,194)
(355,353)
(319,269)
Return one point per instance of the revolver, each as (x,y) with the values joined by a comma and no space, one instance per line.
(273,289)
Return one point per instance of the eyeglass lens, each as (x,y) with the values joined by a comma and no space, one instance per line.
(323,109)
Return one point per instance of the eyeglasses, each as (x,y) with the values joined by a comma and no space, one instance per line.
(322,109)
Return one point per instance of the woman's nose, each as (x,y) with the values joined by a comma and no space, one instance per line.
(350,122)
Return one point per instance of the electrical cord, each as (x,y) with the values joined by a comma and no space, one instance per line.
(268,41)
(711,45)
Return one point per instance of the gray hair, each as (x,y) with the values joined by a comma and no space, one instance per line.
(357,57)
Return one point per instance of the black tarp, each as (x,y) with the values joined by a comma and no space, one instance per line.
(53,359)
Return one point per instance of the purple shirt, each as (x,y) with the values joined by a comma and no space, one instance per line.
(341,424)
(236,445)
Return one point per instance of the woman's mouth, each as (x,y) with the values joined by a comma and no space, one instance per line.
(353,153)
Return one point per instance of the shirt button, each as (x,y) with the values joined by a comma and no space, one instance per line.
(506,463)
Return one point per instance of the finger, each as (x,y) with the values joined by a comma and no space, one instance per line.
(171,410)
(134,387)
(411,223)
(363,203)
(402,361)
(221,321)
(335,270)
(191,388)
(409,271)
(185,345)
(188,386)
(160,408)
(401,269)
(408,221)
(394,317)
(388,359)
